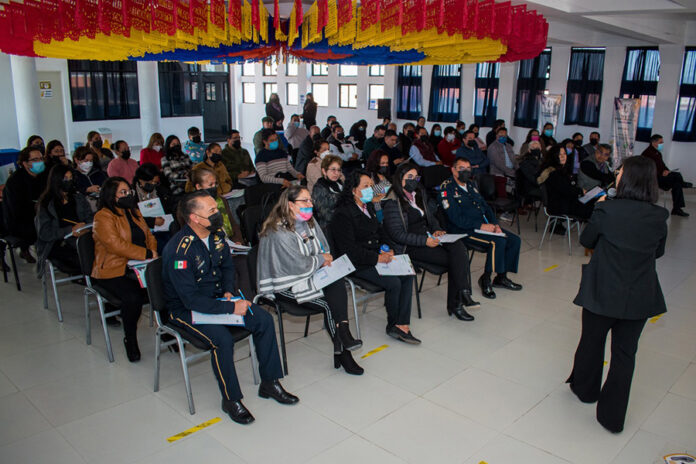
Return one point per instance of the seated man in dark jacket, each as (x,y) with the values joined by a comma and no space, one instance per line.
(594,170)
(468,213)
(666,179)
(306,150)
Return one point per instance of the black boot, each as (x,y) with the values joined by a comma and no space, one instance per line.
(347,340)
(237,412)
(132,349)
(469,302)
(485,284)
(346,360)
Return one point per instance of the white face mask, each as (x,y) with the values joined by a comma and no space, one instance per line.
(323,154)
(86,166)
(450,137)
(157,147)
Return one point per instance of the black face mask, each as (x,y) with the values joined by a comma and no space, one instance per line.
(215,222)
(212,191)
(464,176)
(125,154)
(149,187)
(384,170)
(410,185)
(127,202)
(216,158)
(578,143)
(237,144)
(594,142)
(196,139)
(97,144)
(340,136)
(67,186)
(535,152)
(472,143)
(316,137)
(410,134)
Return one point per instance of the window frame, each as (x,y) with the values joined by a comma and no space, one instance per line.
(369,96)
(321,67)
(267,96)
(253,93)
(649,98)
(409,79)
(687,93)
(314,93)
(287,93)
(341,86)
(484,119)
(585,88)
(527,115)
(380,70)
(445,88)
(98,73)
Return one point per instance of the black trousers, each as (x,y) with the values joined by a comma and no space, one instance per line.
(221,343)
(454,256)
(334,304)
(132,297)
(399,293)
(586,378)
(64,256)
(503,252)
(674,182)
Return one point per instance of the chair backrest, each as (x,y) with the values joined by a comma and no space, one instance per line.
(250,223)
(252,259)
(85,253)
(433,176)
(544,194)
(155,288)
(486,183)
(254,194)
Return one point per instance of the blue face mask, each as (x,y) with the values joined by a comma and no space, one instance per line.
(437,133)
(548,132)
(502,139)
(273,145)
(569,151)
(461,131)
(660,146)
(37,167)
(297,123)
(367,194)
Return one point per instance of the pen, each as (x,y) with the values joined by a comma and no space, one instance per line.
(242,295)
(71,222)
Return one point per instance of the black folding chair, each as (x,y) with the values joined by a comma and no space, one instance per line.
(255,193)
(180,336)
(50,270)
(553,219)
(486,184)
(11,243)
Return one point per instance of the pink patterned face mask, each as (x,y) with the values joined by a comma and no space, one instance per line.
(535,138)
(304,215)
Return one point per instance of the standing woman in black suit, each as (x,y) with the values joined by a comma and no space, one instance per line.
(619,290)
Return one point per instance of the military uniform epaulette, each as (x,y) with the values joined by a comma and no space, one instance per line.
(184,244)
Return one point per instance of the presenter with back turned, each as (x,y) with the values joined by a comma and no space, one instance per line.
(198,272)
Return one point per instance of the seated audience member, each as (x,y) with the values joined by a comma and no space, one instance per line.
(386,121)
(327,190)
(55,155)
(378,168)
(295,133)
(448,146)
(532,136)
(213,161)
(148,185)
(266,123)
(328,129)
(62,210)
(237,160)
(421,152)
(306,151)
(358,133)
(573,165)
(198,272)
(460,126)
(666,179)
(503,161)
(344,149)
(321,151)
(563,194)
(528,171)
(273,164)
(481,144)
(471,151)
(410,223)
(579,147)
(408,132)
(591,147)
(392,126)
(468,212)
(121,234)
(194,147)
(420,122)
(123,165)
(594,171)
(88,175)
(175,165)
(435,136)
(274,110)
(292,248)
(36,141)
(102,155)
(547,140)
(153,152)
(493,134)
(309,111)
(358,234)
(22,190)
(374,142)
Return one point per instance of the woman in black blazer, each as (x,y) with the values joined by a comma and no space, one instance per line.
(563,194)
(357,233)
(619,290)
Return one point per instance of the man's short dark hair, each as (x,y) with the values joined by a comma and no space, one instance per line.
(655,137)
(500,129)
(330,118)
(595,133)
(188,204)
(606,146)
(576,134)
(232,132)
(469,132)
(407,125)
(449,130)
(267,119)
(460,159)
(193,130)
(390,133)
(266,134)
(379,127)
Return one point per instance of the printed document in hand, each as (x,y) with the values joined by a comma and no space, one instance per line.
(168,219)
(497,234)
(217,319)
(400,265)
(594,193)
(450,238)
(237,249)
(151,208)
(339,268)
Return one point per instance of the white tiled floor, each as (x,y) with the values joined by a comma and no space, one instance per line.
(489,391)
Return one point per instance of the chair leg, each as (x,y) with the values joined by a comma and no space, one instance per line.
(254,361)
(543,236)
(59,309)
(14,269)
(516,214)
(4,269)
(44,287)
(420,287)
(418,304)
(471,256)
(439,279)
(152,316)
(158,351)
(355,306)
(306,327)
(107,337)
(281,332)
(568,232)
(88,321)
(187,379)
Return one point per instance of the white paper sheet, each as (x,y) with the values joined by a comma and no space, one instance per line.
(151,208)
(217,319)
(86,226)
(339,268)
(168,219)
(594,193)
(400,265)
(497,234)
(450,238)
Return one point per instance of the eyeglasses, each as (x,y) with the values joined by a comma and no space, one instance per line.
(417,178)
(34,160)
(125,192)
(334,170)
(303,200)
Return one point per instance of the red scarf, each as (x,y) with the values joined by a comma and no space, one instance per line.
(425,150)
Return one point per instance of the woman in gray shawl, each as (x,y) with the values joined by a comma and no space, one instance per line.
(292,248)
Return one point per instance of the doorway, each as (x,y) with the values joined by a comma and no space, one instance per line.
(216,106)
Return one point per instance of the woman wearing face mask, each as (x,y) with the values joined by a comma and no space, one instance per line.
(175,165)
(410,222)
(36,141)
(532,136)
(88,175)
(327,190)
(121,234)
(562,192)
(275,110)
(123,165)
(378,168)
(55,155)
(481,144)
(358,133)
(321,151)
(358,234)
(448,146)
(435,135)
(529,168)
(102,156)
(292,248)
(153,152)
(62,210)
(547,140)
(21,192)
(213,161)
(148,185)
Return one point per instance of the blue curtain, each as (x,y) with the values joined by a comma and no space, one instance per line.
(584,90)
(486,106)
(409,92)
(684,127)
(640,77)
(444,93)
(531,83)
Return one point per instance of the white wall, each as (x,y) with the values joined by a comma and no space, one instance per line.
(9,135)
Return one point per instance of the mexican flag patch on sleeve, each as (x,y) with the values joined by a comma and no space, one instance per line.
(180,264)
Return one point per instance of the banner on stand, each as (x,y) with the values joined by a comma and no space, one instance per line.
(549,109)
(625,124)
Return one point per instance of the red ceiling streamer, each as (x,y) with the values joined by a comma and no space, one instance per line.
(370,13)
(255,18)
(345,12)
(234,14)
(276,15)
(322,14)
(217,13)
(298,14)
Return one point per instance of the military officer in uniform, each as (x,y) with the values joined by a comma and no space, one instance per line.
(466,212)
(197,271)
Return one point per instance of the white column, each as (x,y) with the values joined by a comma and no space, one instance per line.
(148,90)
(26,95)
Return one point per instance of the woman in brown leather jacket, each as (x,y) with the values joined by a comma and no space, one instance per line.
(121,234)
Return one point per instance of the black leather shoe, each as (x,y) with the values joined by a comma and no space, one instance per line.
(132,349)
(347,340)
(409,338)
(461,314)
(504,282)
(486,288)
(273,389)
(237,412)
(679,212)
(406,337)
(468,302)
(345,360)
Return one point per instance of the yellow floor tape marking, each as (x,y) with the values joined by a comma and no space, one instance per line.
(551,268)
(376,350)
(195,429)
(606,362)
(655,319)
(483,462)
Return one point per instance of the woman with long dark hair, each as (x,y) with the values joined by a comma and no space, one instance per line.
(175,165)
(563,194)
(619,290)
